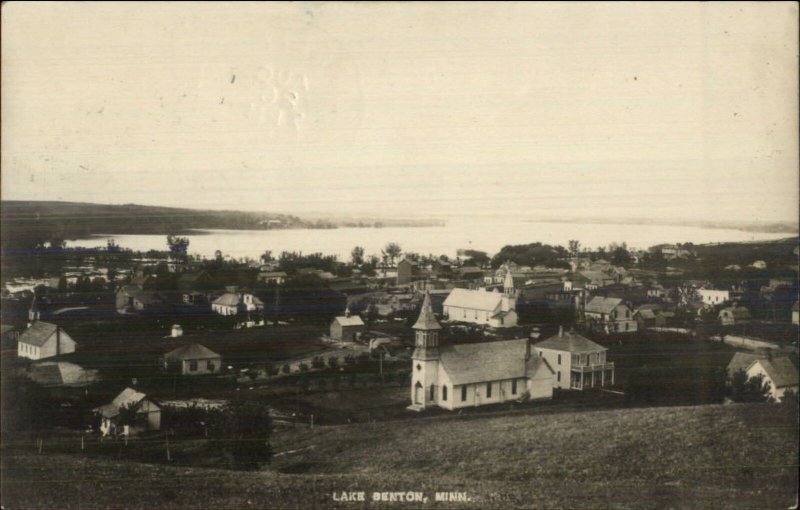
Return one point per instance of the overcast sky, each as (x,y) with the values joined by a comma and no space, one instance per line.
(537,110)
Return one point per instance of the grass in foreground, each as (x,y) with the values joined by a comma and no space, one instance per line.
(741,456)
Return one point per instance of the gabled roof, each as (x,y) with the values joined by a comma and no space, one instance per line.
(571,342)
(61,373)
(742,361)
(474,299)
(232,299)
(600,304)
(38,333)
(488,361)
(427,320)
(127,397)
(190,352)
(353,320)
(780,369)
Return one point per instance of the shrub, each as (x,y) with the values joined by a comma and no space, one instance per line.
(318,362)
(333,362)
(286,369)
(303,367)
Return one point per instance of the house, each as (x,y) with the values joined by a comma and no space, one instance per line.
(592,279)
(61,374)
(742,361)
(652,315)
(734,315)
(234,303)
(796,313)
(276,277)
(469,375)
(778,371)
(44,340)
(481,307)
(578,362)
(714,296)
(193,359)
(347,328)
(196,282)
(132,299)
(408,271)
(610,314)
(148,414)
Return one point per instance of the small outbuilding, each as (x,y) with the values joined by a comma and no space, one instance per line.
(347,328)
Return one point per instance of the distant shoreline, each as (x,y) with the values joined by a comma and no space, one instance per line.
(768,228)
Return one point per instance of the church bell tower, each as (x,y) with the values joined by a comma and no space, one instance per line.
(425,360)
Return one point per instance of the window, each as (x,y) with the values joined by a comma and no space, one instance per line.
(192,366)
(463,393)
(626,326)
(465,313)
(488,390)
(558,376)
(444,393)
(433,392)
(210,365)
(514,387)
(559,359)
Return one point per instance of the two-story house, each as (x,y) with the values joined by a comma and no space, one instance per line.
(578,362)
(610,314)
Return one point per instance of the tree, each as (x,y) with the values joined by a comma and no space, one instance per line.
(392,250)
(178,247)
(574,247)
(266,256)
(241,431)
(357,255)
(753,389)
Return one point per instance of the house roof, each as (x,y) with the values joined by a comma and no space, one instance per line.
(427,320)
(571,342)
(780,369)
(190,352)
(742,361)
(474,299)
(233,299)
(738,312)
(489,361)
(38,333)
(600,304)
(61,373)
(595,276)
(353,320)
(127,397)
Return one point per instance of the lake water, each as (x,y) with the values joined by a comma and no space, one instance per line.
(488,235)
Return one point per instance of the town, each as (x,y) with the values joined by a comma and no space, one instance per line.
(168,358)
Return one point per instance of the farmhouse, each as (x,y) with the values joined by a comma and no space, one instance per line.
(44,340)
(347,327)
(779,372)
(193,359)
(610,314)
(148,414)
(578,362)
(482,307)
(456,376)
(232,303)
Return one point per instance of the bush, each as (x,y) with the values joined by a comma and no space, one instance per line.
(241,432)
(303,367)
(318,362)
(333,362)
(349,359)
(286,369)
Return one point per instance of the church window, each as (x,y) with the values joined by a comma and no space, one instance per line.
(419,367)
(433,392)
(514,387)
(444,393)
(559,359)
(488,390)
(463,393)
(558,376)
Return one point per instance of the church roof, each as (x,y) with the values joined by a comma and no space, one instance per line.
(38,333)
(427,320)
(571,342)
(488,361)
(474,299)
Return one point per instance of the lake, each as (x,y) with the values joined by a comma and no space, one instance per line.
(484,234)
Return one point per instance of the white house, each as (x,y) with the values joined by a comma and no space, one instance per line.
(779,372)
(193,359)
(148,413)
(232,303)
(44,340)
(482,307)
(714,296)
(468,375)
(578,362)
(610,314)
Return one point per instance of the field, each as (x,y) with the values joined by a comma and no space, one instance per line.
(740,456)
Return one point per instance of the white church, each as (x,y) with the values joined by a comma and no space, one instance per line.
(484,307)
(468,375)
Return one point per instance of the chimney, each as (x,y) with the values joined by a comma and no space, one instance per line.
(561,331)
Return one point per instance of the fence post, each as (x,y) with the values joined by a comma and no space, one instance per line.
(312,421)
(39,445)
(169,457)
(82,442)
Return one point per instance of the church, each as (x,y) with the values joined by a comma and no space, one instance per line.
(469,375)
(484,307)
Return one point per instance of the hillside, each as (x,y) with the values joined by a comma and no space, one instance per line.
(742,456)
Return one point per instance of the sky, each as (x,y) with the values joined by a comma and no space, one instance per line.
(532,110)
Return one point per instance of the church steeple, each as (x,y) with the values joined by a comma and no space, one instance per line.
(33,311)
(427,332)
(508,284)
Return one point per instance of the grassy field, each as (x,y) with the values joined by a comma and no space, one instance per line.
(742,456)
